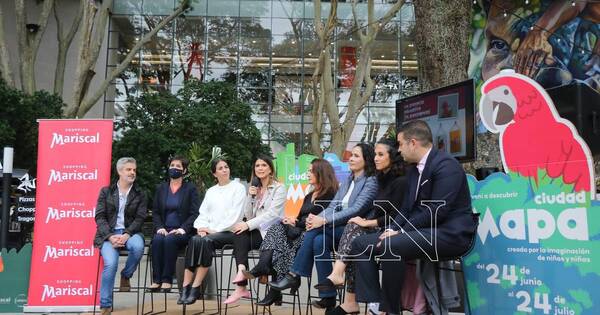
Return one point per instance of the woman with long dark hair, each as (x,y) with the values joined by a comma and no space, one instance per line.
(175,207)
(264,207)
(282,240)
(392,185)
(222,207)
(354,198)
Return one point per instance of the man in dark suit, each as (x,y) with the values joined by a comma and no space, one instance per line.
(434,222)
(120,213)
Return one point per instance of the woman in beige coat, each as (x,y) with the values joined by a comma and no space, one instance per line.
(264,207)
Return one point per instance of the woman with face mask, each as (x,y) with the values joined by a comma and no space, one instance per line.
(175,207)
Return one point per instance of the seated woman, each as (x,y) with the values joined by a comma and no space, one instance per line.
(389,165)
(355,197)
(283,239)
(174,209)
(222,207)
(264,207)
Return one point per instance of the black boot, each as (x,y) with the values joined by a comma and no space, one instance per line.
(185,291)
(195,293)
(273,297)
(289,282)
(263,267)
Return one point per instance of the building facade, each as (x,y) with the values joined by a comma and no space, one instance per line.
(268,50)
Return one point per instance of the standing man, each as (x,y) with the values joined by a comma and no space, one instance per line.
(446,217)
(120,213)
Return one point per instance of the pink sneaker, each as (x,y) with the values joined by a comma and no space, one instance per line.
(236,296)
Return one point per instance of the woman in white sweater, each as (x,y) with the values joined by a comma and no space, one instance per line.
(222,207)
(264,207)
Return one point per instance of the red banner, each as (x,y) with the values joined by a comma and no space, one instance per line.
(74,161)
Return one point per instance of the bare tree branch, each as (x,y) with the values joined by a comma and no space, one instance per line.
(4,56)
(64,43)
(87,103)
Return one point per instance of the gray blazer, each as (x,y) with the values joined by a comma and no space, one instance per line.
(360,202)
(269,212)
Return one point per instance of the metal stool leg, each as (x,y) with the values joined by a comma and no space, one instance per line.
(96,284)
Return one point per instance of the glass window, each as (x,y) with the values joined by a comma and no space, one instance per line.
(249,8)
(287,9)
(290,27)
(127,7)
(223,8)
(158,7)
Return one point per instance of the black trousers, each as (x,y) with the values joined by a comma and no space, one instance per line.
(243,243)
(400,249)
(164,255)
(201,250)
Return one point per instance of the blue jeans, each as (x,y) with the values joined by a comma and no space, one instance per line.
(317,245)
(110,255)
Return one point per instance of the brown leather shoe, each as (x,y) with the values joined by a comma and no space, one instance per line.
(105,311)
(124,286)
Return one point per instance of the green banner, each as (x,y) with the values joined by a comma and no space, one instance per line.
(14,279)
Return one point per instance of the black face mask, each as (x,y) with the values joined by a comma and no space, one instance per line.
(175,173)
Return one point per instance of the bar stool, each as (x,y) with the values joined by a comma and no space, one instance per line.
(181,253)
(218,258)
(134,289)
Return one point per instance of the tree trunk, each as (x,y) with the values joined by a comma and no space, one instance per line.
(359,97)
(5,69)
(323,90)
(29,38)
(442,41)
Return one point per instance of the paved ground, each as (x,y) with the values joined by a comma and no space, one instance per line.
(127,302)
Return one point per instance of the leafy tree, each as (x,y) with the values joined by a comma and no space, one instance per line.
(18,121)
(160,125)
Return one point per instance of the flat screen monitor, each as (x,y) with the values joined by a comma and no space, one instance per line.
(449,112)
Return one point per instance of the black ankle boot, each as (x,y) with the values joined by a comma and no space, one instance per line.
(289,282)
(194,294)
(273,297)
(185,292)
(263,267)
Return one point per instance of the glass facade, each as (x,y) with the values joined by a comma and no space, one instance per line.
(269,50)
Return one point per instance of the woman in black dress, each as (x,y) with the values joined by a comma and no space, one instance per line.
(283,240)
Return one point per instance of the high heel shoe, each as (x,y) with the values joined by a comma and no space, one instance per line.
(289,282)
(185,292)
(327,285)
(273,297)
(324,303)
(195,294)
(236,295)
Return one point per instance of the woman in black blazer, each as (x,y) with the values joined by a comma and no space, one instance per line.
(174,210)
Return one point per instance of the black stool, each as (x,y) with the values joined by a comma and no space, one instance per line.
(134,289)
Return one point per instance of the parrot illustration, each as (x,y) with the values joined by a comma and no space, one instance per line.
(533,136)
